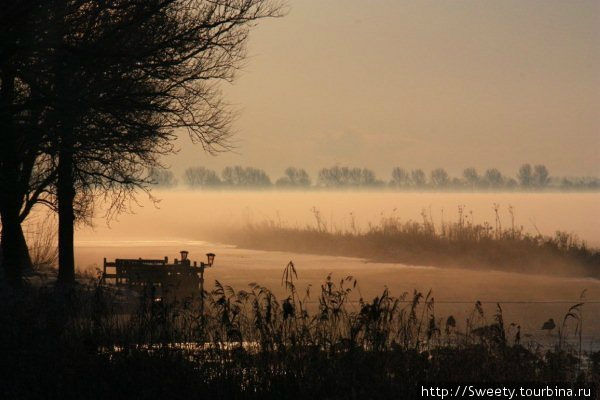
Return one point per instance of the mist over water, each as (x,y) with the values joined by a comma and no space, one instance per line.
(191,215)
(186,219)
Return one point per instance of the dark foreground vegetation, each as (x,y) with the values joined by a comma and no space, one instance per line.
(527,178)
(86,342)
(462,244)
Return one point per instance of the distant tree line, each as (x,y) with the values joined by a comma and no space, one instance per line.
(527,177)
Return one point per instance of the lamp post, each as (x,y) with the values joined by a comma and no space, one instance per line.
(210,259)
(184,257)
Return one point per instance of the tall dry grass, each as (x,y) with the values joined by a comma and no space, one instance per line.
(93,341)
(461,243)
(41,237)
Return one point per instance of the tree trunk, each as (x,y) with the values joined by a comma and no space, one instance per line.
(66,216)
(15,255)
(65,186)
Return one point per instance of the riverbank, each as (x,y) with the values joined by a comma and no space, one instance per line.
(459,244)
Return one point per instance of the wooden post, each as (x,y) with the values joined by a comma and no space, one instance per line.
(201,290)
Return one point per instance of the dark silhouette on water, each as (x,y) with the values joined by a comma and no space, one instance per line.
(549,325)
(158,279)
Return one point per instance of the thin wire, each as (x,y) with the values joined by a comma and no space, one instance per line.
(489,301)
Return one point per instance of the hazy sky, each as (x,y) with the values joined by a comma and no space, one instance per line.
(374,83)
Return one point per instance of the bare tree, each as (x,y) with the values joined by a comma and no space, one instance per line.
(345,177)
(160,79)
(245,177)
(493,178)
(294,177)
(541,176)
(439,178)
(117,78)
(417,176)
(525,175)
(162,178)
(25,172)
(471,177)
(201,177)
(400,177)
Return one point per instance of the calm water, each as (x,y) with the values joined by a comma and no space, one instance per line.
(182,220)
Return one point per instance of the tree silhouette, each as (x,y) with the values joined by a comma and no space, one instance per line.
(525,175)
(471,177)
(400,177)
(347,177)
(294,177)
(162,177)
(541,176)
(25,173)
(116,79)
(157,83)
(439,178)
(201,177)
(417,176)
(245,177)
(493,178)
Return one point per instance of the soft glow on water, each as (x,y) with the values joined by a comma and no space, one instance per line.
(186,215)
(184,220)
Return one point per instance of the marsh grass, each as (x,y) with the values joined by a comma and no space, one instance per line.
(462,243)
(42,244)
(93,341)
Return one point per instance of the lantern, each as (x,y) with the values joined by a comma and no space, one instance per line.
(210,258)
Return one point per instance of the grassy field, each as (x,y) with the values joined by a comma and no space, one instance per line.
(459,243)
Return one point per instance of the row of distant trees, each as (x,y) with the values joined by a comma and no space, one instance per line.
(528,177)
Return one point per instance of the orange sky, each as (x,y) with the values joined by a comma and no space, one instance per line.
(419,84)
